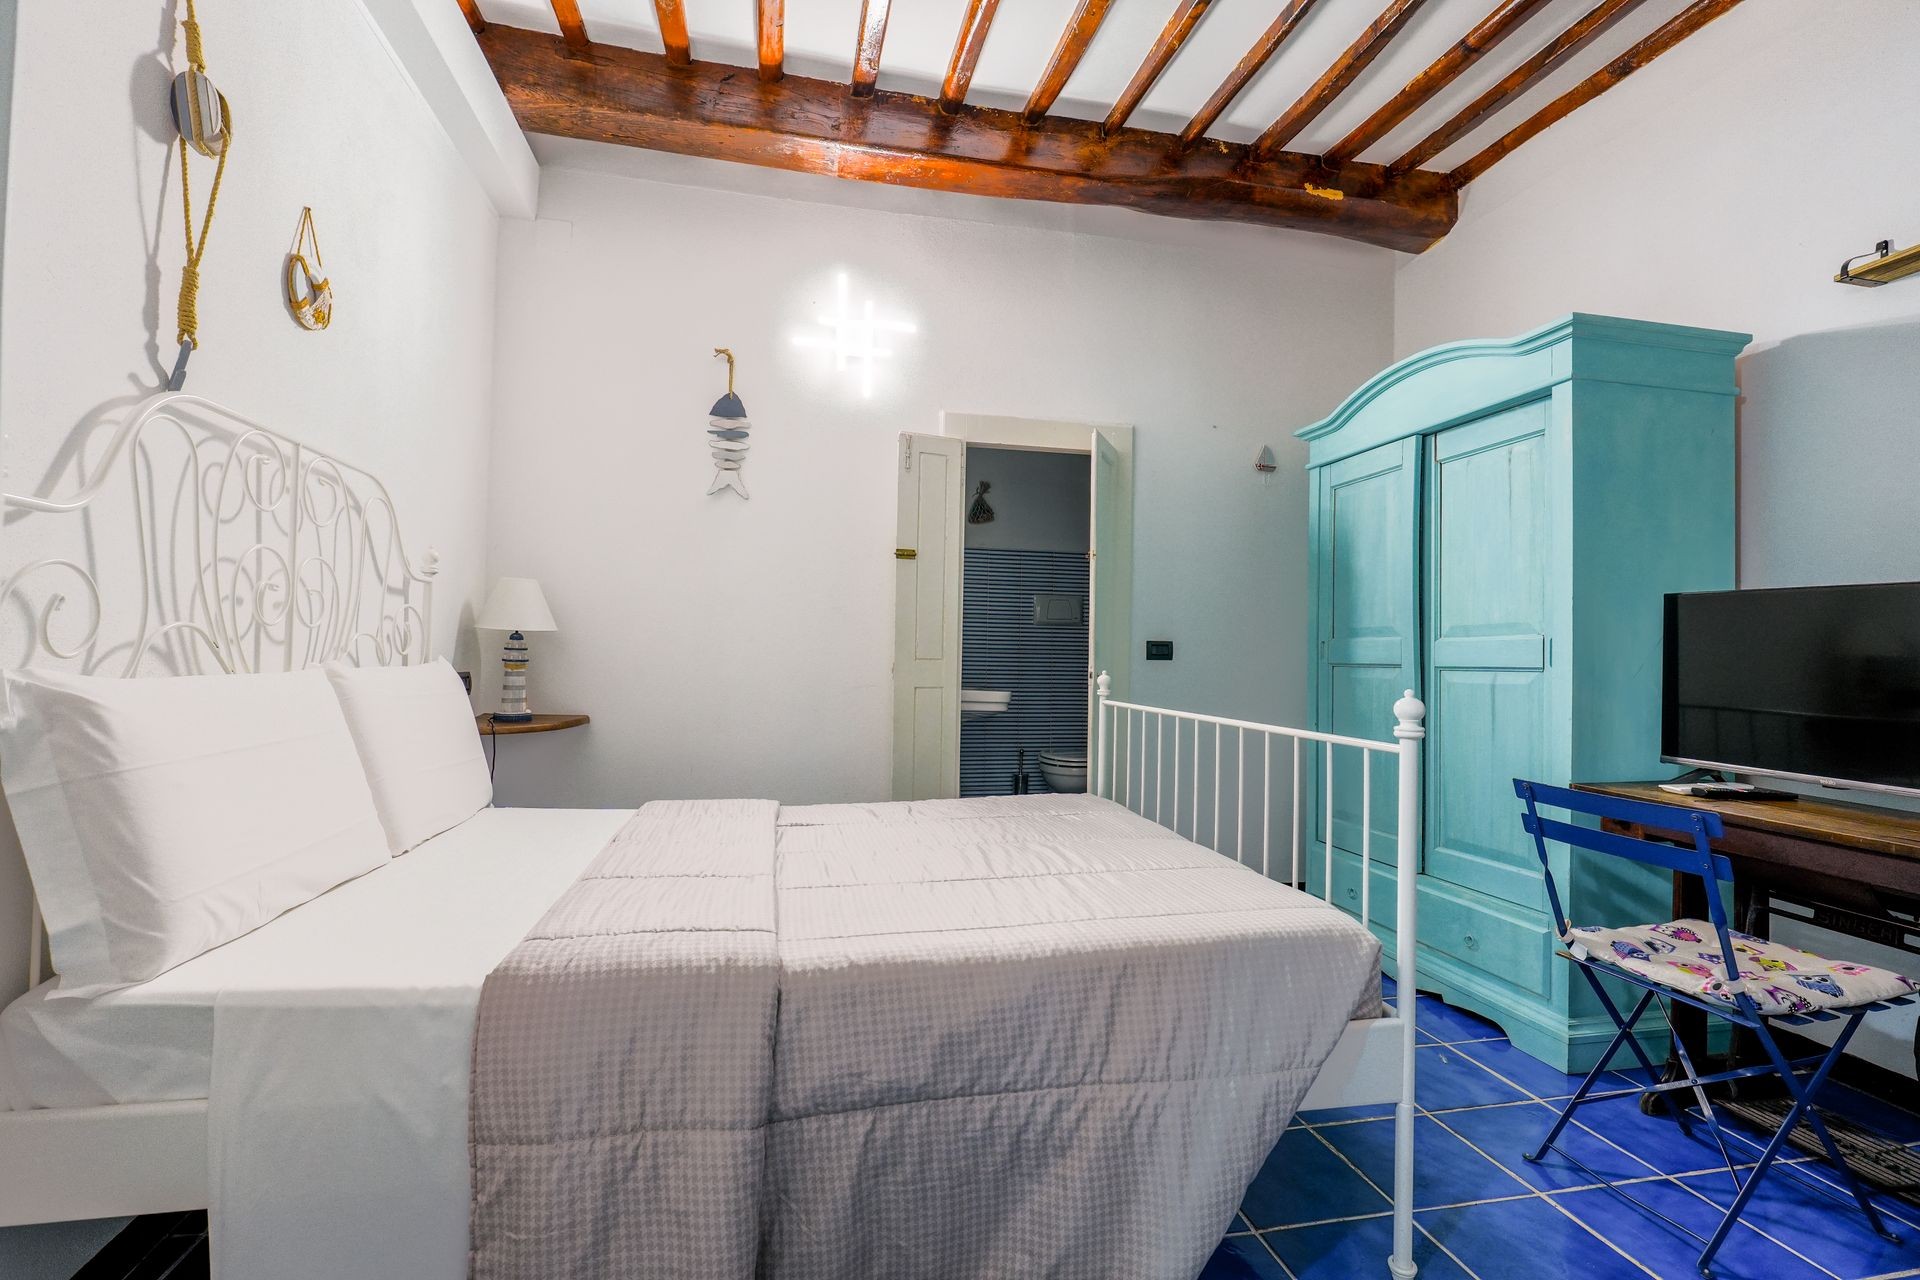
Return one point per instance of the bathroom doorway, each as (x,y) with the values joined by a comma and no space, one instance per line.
(1025,583)
(1009,599)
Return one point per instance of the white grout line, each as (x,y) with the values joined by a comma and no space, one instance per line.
(1527,1193)
(1434,1042)
(1757,1231)
(1675,1178)
(1342,1156)
(1275,1255)
(1435,1241)
(1597,1236)
(1628,1182)
(1531,1192)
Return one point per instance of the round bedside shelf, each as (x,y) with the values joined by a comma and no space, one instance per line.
(539,724)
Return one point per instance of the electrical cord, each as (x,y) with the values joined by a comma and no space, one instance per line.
(493,742)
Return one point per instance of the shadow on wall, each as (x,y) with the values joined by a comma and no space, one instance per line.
(1829,444)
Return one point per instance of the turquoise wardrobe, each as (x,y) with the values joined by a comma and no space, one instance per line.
(1493,524)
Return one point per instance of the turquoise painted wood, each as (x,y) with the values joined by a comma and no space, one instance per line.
(1494,524)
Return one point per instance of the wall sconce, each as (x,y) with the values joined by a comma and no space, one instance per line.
(854,336)
(1886,266)
(1264,464)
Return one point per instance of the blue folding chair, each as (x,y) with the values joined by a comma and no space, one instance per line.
(1706,965)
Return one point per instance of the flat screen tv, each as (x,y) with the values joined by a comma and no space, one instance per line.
(1819,684)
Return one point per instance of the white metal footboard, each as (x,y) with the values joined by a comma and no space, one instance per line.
(1134,766)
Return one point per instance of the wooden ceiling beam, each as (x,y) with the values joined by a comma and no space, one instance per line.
(1496,27)
(1248,67)
(572,29)
(813,126)
(1665,37)
(1358,57)
(866,48)
(773,40)
(1186,16)
(1066,56)
(672,17)
(472,9)
(966,52)
(1516,82)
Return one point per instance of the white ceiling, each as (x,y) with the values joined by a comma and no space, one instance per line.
(920,36)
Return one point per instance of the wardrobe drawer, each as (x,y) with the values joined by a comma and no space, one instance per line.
(1517,950)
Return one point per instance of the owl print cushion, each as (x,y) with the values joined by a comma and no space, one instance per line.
(1685,955)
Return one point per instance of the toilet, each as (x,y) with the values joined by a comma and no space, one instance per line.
(1065,771)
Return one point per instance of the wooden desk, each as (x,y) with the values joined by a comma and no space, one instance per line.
(1847,855)
(539,724)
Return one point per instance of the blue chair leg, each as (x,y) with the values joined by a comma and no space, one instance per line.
(1623,1036)
(1706,1107)
(1819,1126)
(1678,1112)
(1802,1106)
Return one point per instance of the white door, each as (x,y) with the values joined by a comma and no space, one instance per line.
(1110,580)
(926,641)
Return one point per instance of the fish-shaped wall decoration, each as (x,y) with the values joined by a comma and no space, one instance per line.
(728,429)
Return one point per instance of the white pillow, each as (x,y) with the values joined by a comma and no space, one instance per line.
(414,728)
(162,817)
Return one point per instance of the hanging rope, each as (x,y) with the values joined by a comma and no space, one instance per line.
(187,313)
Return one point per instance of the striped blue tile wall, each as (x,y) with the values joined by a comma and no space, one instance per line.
(1045,668)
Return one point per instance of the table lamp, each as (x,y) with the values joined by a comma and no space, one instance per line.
(516,606)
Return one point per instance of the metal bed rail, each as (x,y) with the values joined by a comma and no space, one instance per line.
(1142,766)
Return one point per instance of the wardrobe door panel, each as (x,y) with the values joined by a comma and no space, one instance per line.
(1488,648)
(1368,636)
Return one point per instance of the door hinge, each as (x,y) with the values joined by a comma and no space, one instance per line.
(905,553)
(906,455)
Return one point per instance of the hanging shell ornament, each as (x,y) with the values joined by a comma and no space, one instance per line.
(309,294)
(728,428)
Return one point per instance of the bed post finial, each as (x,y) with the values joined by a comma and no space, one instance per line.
(1104,687)
(1410,714)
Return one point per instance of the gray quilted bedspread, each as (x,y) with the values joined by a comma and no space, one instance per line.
(623,1056)
(1033,1037)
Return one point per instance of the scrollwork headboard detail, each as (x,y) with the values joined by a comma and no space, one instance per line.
(197,542)
(250,552)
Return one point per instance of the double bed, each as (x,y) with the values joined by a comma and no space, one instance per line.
(1037,1035)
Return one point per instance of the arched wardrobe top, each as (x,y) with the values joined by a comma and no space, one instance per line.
(1458,381)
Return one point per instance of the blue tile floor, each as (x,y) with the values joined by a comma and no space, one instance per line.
(1319,1209)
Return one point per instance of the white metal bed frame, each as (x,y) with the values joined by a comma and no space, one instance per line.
(256,553)
(1373,1063)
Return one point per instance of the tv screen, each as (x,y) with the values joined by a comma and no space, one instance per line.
(1816,683)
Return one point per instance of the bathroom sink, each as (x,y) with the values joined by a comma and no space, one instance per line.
(983,702)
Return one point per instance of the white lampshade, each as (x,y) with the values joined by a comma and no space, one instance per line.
(515,604)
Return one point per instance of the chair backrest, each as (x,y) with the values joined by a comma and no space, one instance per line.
(1699,826)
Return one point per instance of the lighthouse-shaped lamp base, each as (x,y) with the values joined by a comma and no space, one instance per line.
(513,682)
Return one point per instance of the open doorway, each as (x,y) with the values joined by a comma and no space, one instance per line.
(1026,579)
(1052,581)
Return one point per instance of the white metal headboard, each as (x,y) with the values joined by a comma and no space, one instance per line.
(242,550)
(254,551)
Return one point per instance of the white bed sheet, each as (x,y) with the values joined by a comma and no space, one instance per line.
(436,919)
